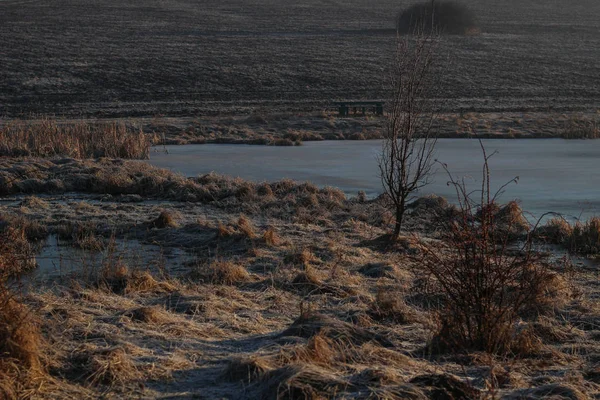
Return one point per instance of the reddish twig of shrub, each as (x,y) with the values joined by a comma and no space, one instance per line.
(485,284)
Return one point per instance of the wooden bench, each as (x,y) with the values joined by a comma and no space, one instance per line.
(376,107)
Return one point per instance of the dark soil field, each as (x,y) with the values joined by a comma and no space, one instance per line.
(190,58)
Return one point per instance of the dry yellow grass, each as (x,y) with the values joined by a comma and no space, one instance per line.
(21,342)
(221,272)
(246,227)
(300,257)
(391,306)
(270,237)
(80,140)
(111,367)
(166,219)
(233,327)
(20,347)
(249,369)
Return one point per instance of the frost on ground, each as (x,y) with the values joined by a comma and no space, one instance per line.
(284,291)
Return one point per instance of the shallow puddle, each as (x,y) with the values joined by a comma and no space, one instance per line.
(58,260)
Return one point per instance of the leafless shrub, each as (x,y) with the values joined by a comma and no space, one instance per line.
(486,286)
(406,161)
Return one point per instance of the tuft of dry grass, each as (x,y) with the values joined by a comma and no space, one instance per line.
(166,219)
(33,229)
(33,202)
(579,238)
(390,306)
(271,238)
(310,324)
(265,190)
(525,343)
(111,367)
(245,192)
(246,227)
(300,381)
(549,391)
(82,235)
(444,386)
(149,315)
(307,278)
(585,237)
(221,272)
(511,218)
(16,252)
(301,257)
(118,279)
(557,230)
(551,292)
(224,231)
(247,370)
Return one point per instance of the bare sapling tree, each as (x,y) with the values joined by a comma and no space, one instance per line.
(406,160)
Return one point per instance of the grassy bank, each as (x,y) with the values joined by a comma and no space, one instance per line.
(48,138)
(118,139)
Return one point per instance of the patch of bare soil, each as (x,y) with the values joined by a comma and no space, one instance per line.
(179,59)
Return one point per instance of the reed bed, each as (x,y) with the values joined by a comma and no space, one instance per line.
(49,138)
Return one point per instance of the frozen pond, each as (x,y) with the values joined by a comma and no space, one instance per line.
(554,174)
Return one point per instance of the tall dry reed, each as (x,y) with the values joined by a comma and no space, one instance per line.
(49,138)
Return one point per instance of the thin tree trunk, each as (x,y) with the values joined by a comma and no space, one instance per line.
(399,217)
